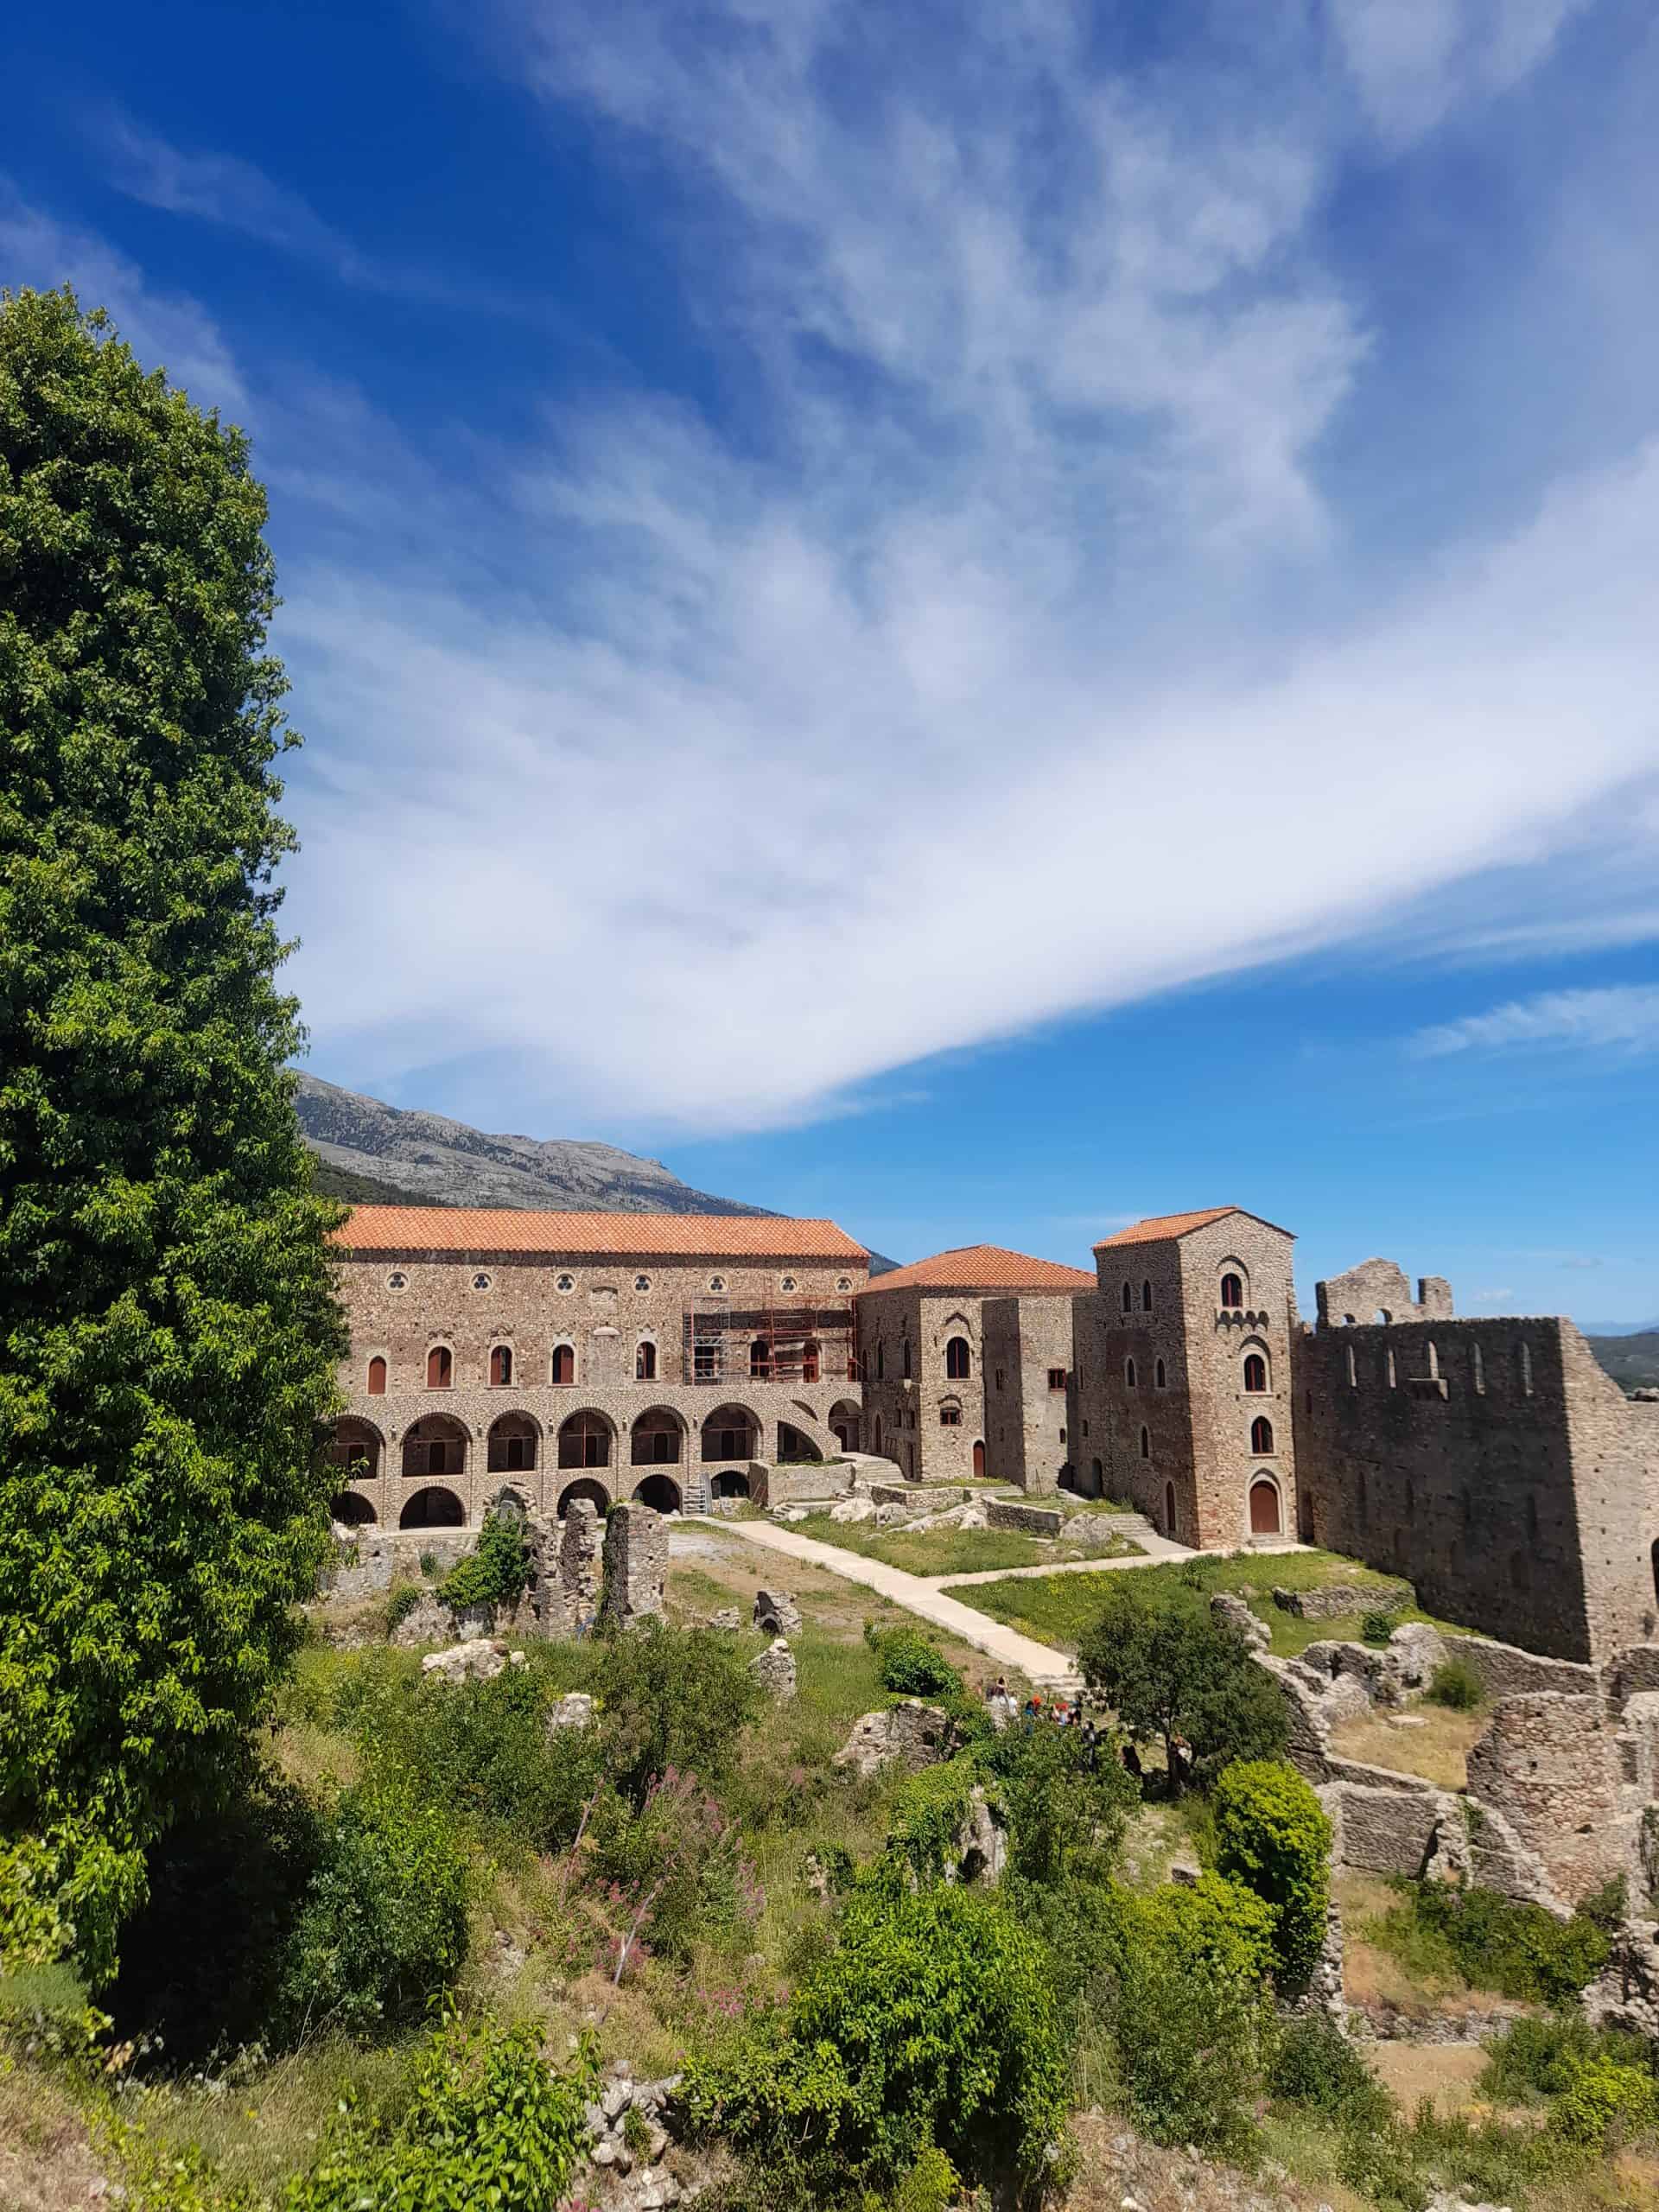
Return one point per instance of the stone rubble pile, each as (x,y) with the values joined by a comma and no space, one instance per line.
(480,1659)
(649,2186)
(774,1669)
(907,1733)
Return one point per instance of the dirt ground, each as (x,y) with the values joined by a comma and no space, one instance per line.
(1438,1749)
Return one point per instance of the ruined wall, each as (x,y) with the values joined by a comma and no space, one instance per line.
(635,1563)
(399,1307)
(1494,1465)
(1378,1291)
(1029,1339)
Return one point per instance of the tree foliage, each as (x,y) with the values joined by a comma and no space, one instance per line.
(167,1312)
(1271,1834)
(1171,1671)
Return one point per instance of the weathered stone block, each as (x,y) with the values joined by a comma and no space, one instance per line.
(776,1613)
(635,1565)
(908,1733)
(774,1669)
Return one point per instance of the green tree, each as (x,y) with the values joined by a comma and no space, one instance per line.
(167,1308)
(1271,1834)
(1172,1672)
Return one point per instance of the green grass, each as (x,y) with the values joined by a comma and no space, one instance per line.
(951,1551)
(1058,1609)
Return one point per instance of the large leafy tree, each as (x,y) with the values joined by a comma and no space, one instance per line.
(1174,1672)
(167,1324)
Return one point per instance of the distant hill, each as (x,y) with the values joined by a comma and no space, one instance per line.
(1632,1361)
(370,1153)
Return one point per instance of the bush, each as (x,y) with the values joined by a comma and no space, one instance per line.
(930,2024)
(483,1750)
(1187,2008)
(1537,2057)
(1377,1627)
(1519,1950)
(1456,1685)
(494,1573)
(1272,1835)
(928,1812)
(677,1863)
(383,1925)
(401,1604)
(1065,1819)
(1604,2101)
(673,1697)
(1313,2064)
(909,1664)
(1169,1671)
(489,2123)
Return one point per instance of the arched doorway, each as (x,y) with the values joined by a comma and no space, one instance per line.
(1264,1507)
(585,1441)
(351,1511)
(585,1486)
(844,1424)
(433,1508)
(979,1456)
(661,1492)
(354,1451)
(729,1483)
(1097,1485)
(1169,1509)
(435,1444)
(654,1440)
(511,1445)
(729,1433)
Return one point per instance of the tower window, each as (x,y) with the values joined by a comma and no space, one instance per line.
(1057,1378)
(1128,1298)
(1232,1291)
(958,1360)
(440,1368)
(564,1364)
(1261,1434)
(501,1364)
(1160,1376)
(377,1377)
(1146,1443)
(1146,1296)
(645,1363)
(1256,1372)
(1128,1374)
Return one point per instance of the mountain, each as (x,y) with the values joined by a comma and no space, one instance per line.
(1632,1361)
(373,1154)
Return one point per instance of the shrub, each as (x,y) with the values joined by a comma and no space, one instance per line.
(1520,1950)
(488,2123)
(400,1604)
(1456,1685)
(1377,1627)
(1187,2008)
(1312,2064)
(910,1664)
(1065,1819)
(1604,2101)
(1171,1670)
(1537,2057)
(483,1750)
(676,1864)
(493,1573)
(673,1697)
(383,1925)
(929,1810)
(931,2023)
(1272,1835)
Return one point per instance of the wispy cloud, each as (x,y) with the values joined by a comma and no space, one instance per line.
(1624,1016)
(219,188)
(1414,61)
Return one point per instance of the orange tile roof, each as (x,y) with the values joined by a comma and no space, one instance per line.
(621,1235)
(1162,1226)
(983,1268)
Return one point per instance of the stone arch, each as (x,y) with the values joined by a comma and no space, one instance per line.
(730,1432)
(795,1446)
(587,1487)
(657,1439)
(355,1448)
(433,1507)
(1255,1367)
(846,1424)
(437,1444)
(957,1323)
(351,1511)
(513,1444)
(1233,1285)
(730,1482)
(510,1503)
(586,1440)
(661,1492)
(1267,1515)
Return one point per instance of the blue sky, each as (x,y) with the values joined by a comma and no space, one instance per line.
(982,621)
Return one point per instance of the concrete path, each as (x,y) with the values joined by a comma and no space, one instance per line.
(1006,1646)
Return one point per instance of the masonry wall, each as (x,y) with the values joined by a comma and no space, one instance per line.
(1492,1462)
(1111,1409)
(924,1447)
(471,1305)
(1220,1340)
(1029,1340)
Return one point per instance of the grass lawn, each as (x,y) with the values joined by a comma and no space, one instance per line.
(958,1551)
(1057,1609)
(1438,1750)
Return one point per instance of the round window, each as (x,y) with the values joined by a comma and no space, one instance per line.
(397,1280)
(844,1283)
(716,1282)
(564,1282)
(480,1282)
(642,1282)
(788,1283)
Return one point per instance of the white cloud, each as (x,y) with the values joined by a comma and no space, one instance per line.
(1622,1016)
(216,188)
(1414,61)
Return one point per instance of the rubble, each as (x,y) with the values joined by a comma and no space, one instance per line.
(774,1669)
(776,1613)
(907,1733)
(479,1660)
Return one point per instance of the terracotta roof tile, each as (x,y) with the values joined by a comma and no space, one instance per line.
(476,1230)
(1163,1226)
(984,1268)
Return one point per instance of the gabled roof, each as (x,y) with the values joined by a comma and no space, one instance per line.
(986,1268)
(481,1229)
(1163,1226)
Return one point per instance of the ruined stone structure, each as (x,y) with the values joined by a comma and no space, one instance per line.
(665,1357)
(635,1565)
(965,1363)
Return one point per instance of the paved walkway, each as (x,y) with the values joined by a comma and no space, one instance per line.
(1039,1663)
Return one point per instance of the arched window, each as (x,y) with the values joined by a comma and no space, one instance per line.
(1256,1372)
(1261,1434)
(906,1359)
(809,1362)
(564,1364)
(1232,1291)
(645,1362)
(377,1377)
(1146,1296)
(880,1360)
(949,1416)
(1128,1374)
(760,1360)
(440,1368)
(958,1361)
(1160,1376)
(1146,1443)
(501,1364)
(1433,1362)
(511,1445)
(585,1441)
(1353,1372)
(656,1439)
(1128,1298)
(728,1434)
(1526,1371)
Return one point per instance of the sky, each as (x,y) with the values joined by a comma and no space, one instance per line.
(983,621)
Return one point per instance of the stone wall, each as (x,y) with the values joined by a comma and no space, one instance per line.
(1549,1765)
(799,1485)
(635,1565)
(1029,1341)
(472,1306)
(1493,1463)
(1028,1520)
(1376,1290)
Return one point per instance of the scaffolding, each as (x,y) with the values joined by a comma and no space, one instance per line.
(786,1340)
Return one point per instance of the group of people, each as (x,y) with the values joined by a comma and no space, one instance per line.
(1059,1712)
